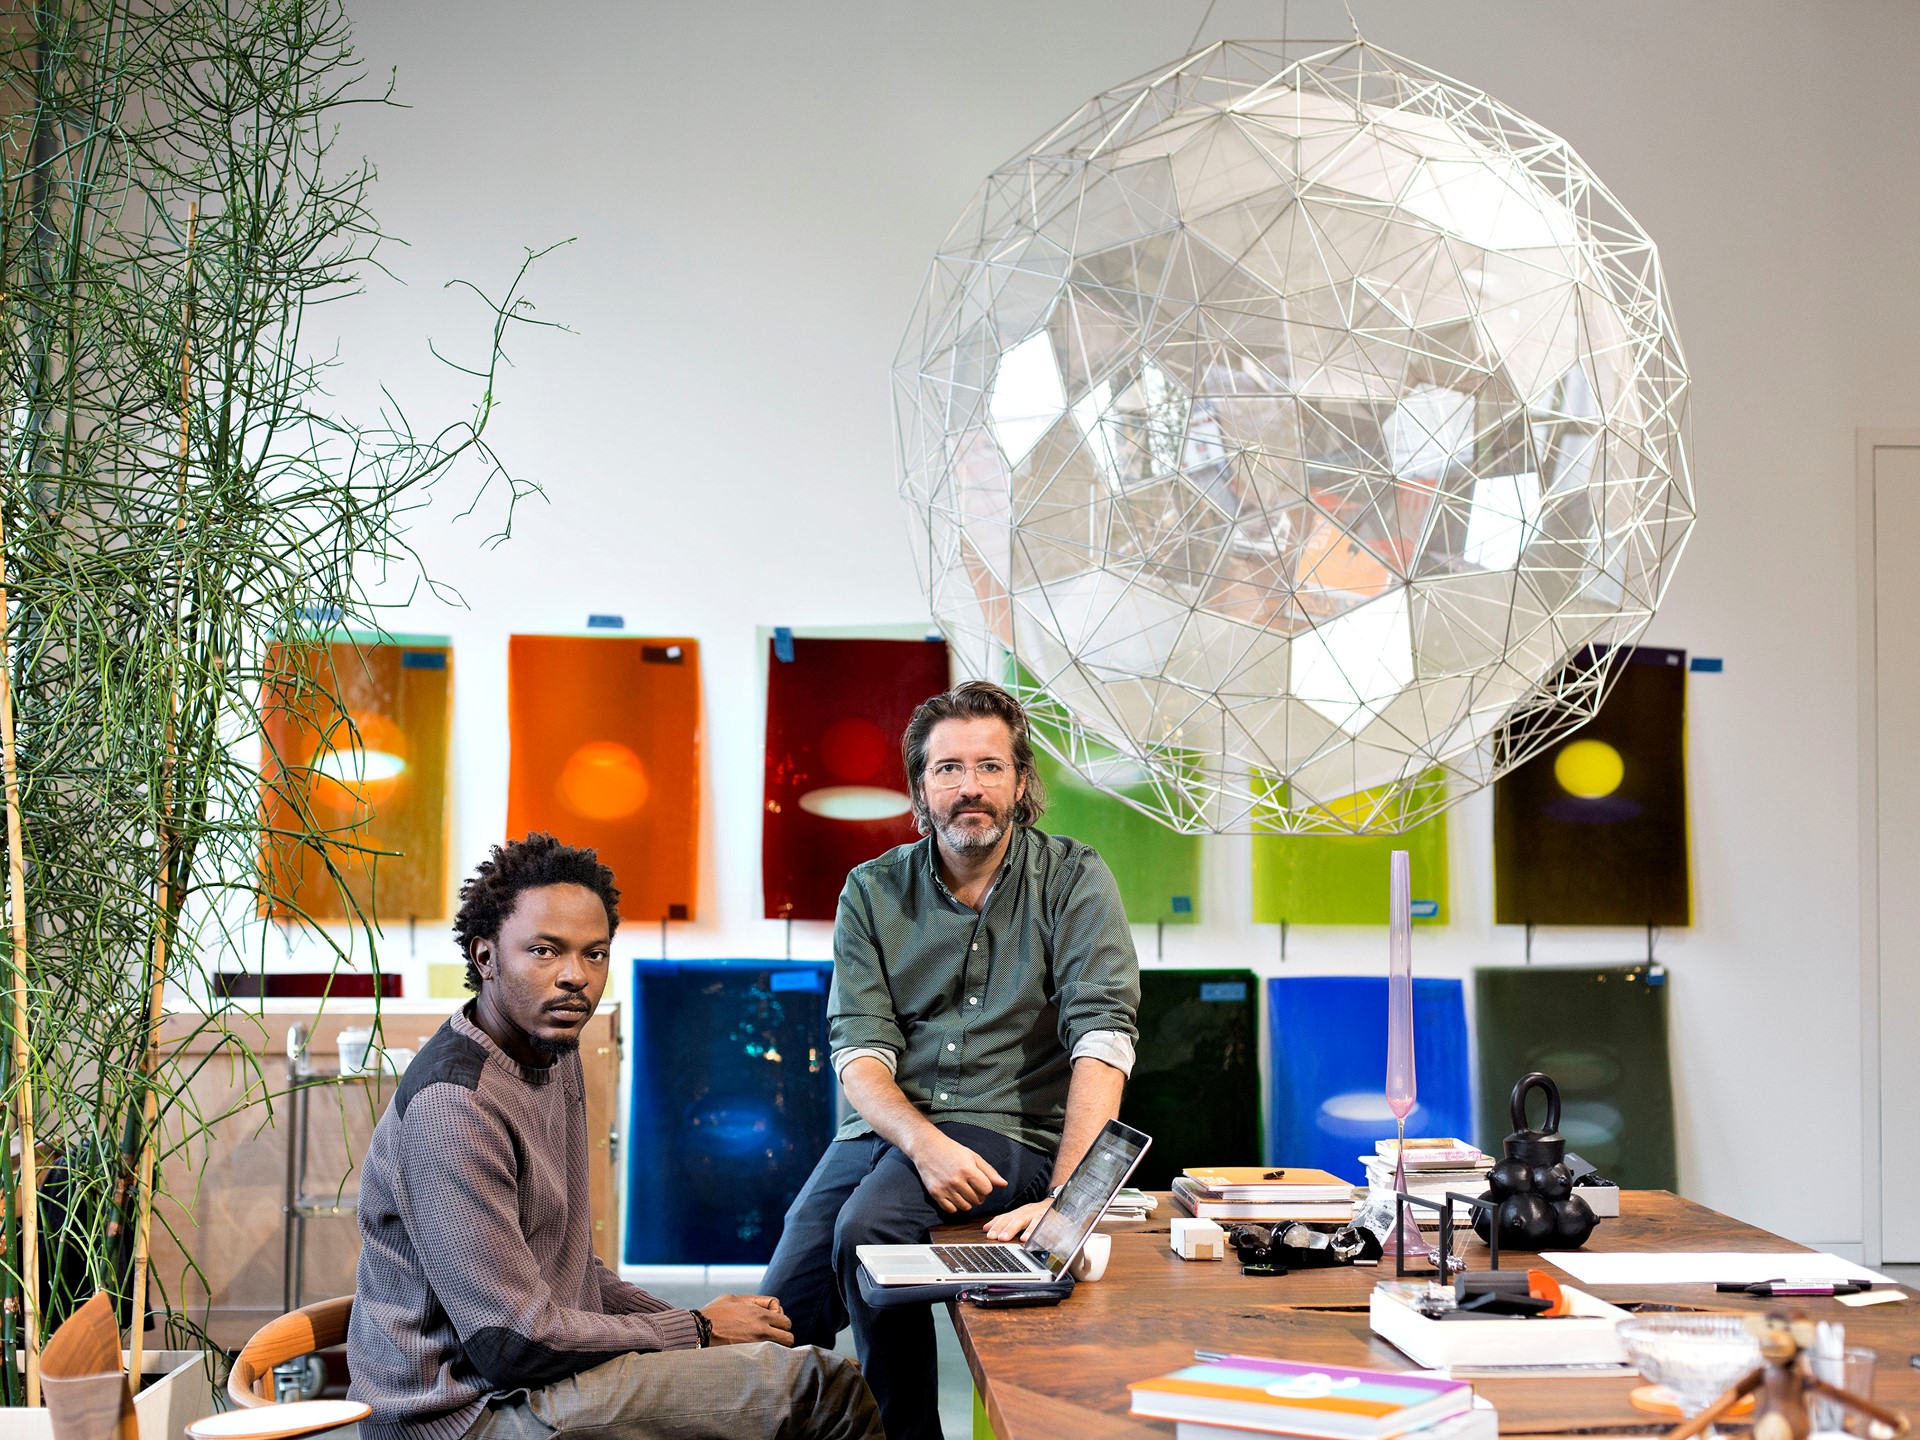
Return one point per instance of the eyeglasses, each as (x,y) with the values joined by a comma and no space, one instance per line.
(948,774)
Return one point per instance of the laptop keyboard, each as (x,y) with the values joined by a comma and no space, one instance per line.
(984,1259)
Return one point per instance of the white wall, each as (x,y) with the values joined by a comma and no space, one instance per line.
(756,188)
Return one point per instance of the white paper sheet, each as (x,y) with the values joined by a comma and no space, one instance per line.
(1705,1267)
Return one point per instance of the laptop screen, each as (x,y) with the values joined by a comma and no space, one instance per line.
(1086,1195)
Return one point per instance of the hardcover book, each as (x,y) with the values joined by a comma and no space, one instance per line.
(1320,1401)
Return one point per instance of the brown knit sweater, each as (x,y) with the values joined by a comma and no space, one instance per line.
(477,1272)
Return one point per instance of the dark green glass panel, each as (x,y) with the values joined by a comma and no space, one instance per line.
(1196,1075)
(1602,1035)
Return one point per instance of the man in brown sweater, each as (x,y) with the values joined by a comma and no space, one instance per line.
(481,1311)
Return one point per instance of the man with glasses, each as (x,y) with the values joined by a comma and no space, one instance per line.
(981,1024)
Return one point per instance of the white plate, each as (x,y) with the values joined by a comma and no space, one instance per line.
(264,1422)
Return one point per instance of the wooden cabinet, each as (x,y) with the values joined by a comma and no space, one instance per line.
(222,1193)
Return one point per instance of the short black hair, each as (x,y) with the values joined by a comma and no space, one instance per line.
(972,700)
(488,896)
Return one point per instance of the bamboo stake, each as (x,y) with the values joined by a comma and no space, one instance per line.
(17,905)
(156,998)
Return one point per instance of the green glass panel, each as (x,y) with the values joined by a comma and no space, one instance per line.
(1601,1033)
(1342,879)
(1195,1086)
(1158,869)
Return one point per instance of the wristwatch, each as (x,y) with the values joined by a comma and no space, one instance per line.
(706,1327)
(1054,1193)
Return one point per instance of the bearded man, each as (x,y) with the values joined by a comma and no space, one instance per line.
(982,1026)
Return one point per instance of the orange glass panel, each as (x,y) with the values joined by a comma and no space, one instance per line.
(355,750)
(605,736)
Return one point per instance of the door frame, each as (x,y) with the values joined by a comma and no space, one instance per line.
(1867,441)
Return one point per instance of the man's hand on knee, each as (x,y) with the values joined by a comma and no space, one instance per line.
(744,1319)
(956,1177)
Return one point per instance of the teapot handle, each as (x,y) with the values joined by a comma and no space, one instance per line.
(1536,1081)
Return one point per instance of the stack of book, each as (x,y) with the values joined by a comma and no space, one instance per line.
(1239,1397)
(1434,1167)
(1236,1193)
(1131,1204)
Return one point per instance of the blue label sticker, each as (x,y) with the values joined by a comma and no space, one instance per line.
(423,659)
(1183,904)
(1426,909)
(811,980)
(1707,665)
(606,622)
(783,644)
(1231,992)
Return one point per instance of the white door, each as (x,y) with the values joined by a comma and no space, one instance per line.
(1896,545)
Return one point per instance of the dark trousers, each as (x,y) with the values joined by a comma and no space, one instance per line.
(865,1192)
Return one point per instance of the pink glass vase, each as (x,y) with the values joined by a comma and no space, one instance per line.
(1402,1087)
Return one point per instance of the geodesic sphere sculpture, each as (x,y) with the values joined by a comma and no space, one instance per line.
(1299,437)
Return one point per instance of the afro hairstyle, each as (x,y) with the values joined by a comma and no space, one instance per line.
(488,896)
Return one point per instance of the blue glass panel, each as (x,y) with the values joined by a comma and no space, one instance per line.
(1328,1044)
(732,1105)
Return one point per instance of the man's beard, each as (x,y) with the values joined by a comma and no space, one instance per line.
(967,840)
(554,1046)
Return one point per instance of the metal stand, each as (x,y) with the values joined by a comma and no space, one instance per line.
(300,1207)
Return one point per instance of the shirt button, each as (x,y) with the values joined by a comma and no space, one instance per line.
(976,944)
(943,1094)
(973,999)
(949,1045)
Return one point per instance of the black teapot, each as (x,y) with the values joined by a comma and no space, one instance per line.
(1532,1189)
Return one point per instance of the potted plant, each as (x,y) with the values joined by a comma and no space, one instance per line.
(179,505)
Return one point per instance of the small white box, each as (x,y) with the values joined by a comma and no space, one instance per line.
(1193,1239)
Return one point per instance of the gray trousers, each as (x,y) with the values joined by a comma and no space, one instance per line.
(727,1392)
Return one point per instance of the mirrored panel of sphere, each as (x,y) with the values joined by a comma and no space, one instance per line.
(1290,429)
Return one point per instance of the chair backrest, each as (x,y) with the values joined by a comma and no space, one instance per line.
(318,1326)
(83,1378)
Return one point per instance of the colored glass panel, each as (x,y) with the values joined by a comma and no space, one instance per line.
(355,746)
(733,1103)
(835,791)
(1158,869)
(1195,1086)
(605,752)
(1327,1038)
(1601,1033)
(1593,829)
(1342,879)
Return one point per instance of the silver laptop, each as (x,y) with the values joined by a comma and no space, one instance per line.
(1043,1258)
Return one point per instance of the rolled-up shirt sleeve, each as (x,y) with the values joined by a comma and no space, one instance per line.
(843,1058)
(1112,1046)
(860,1013)
(1097,968)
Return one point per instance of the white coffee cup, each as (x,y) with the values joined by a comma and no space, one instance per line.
(1091,1263)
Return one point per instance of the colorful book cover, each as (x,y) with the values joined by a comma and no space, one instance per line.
(1313,1400)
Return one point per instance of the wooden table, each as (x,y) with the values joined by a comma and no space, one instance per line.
(1062,1373)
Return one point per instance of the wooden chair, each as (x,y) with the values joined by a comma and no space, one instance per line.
(318,1326)
(84,1379)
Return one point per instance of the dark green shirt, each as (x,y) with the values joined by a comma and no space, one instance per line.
(982,1010)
